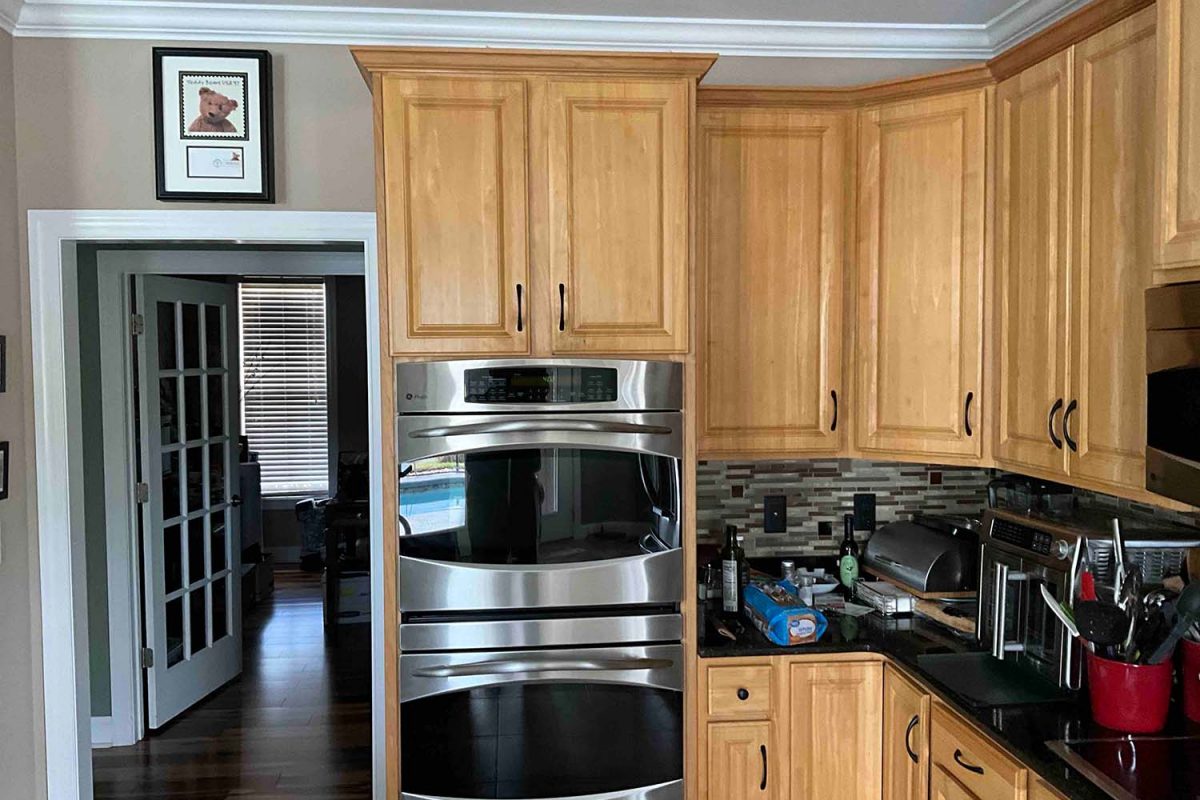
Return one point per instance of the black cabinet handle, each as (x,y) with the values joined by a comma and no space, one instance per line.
(562,306)
(833,394)
(912,723)
(743,694)
(958,759)
(1050,423)
(1071,443)
(967,412)
(520,308)
(763,750)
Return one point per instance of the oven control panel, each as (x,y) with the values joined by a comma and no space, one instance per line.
(1022,536)
(534,384)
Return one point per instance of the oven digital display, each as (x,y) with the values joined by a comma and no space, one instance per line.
(533,384)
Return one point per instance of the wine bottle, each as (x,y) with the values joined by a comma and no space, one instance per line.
(731,573)
(848,556)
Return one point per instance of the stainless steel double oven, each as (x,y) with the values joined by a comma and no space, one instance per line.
(540,579)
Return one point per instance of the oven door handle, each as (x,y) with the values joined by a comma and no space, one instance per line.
(532,666)
(1004,576)
(539,426)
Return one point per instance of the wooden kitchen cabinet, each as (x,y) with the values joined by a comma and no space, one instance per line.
(966,765)
(770,249)
(1177,209)
(742,761)
(905,738)
(921,267)
(1040,790)
(836,724)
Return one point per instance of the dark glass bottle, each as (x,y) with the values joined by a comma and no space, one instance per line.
(732,568)
(848,556)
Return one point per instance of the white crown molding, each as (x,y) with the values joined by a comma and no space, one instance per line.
(267,22)
(9,10)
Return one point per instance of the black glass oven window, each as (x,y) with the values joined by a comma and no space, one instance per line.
(1173,412)
(551,506)
(541,740)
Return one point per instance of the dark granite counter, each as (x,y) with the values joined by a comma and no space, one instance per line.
(1022,729)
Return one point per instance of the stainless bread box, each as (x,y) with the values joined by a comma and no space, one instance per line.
(930,555)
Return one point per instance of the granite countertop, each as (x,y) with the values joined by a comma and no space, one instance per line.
(1022,729)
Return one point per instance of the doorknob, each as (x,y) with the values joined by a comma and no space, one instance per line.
(235,501)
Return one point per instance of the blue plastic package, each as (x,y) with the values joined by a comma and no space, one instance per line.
(780,616)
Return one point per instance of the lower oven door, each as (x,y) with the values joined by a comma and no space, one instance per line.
(600,723)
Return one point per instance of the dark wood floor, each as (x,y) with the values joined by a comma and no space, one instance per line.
(296,724)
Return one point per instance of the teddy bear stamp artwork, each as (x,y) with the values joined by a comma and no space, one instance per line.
(215,109)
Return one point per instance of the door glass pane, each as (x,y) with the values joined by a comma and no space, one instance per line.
(542,740)
(191,336)
(173,558)
(219,535)
(548,506)
(220,609)
(166,336)
(213,340)
(195,478)
(196,614)
(216,405)
(170,484)
(168,409)
(195,549)
(216,474)
(193,409)
(174,631)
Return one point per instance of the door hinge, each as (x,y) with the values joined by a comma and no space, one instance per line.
(142,492)
(137,324)
(147,658)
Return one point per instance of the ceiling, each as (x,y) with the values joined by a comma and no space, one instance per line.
(810,42)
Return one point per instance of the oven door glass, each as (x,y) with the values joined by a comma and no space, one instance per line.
(526,506)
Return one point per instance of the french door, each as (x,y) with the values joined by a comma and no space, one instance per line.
(191,544)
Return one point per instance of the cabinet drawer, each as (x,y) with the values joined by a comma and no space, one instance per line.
(971,760)
(740,692)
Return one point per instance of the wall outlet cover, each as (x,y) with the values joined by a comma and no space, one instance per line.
(775,513)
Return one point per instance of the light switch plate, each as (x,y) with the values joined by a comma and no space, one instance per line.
(775,513)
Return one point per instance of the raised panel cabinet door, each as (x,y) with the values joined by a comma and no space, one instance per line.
(1113,254)
(836,731)
(1178,135)
(769,301)
(740,762)
(618,177)
(921,213)
(454,208)
(942,786)
(1032,228)
(905,739)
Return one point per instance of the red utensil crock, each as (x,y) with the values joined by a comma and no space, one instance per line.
(1191,679)
(1131,698)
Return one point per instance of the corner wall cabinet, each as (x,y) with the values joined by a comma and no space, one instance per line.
(1177,209)
(532,202)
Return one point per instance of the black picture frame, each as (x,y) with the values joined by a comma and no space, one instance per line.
(266,126)
(4,462)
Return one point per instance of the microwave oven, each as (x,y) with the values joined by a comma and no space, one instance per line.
(1173,391)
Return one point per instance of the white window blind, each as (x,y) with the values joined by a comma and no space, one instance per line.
(285,398)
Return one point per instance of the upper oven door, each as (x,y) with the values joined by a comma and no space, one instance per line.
(1173,404)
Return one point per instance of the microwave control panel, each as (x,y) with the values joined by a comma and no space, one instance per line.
(536,385)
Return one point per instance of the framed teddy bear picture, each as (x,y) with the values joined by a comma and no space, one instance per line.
(212,125)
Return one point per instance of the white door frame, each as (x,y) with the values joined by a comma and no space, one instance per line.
(53,236)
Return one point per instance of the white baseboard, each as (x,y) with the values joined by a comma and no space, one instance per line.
(102,732)
(284,555)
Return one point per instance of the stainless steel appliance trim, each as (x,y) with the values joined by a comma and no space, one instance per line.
(444,586)
(1090,771)
(652,666)
(999,608)
(498,634)
(1172,476)
(440,386)
(658,432)
(672,790)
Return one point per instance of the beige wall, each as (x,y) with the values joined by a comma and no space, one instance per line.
(84,138)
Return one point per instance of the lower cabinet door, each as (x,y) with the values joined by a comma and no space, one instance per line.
(836,731)
(905,738)
(942,786)
(741,762)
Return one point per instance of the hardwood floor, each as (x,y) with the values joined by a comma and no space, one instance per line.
(296,724)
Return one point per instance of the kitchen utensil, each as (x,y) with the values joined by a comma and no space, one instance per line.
(1087,585)
(1059,610)
(1102,623)
(1118,543)
(1188,609)
(1131,602)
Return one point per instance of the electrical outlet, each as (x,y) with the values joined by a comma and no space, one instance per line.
(774,513)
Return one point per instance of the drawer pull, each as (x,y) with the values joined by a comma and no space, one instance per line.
(763,750)
(743,694)
(958,759)
(912,723)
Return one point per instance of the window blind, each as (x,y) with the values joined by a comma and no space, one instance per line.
(285,399)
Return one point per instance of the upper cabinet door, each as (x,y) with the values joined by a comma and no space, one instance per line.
(769,301)
(618,214)
(1032,218)
(921,268)
(1178,206)
(1113,252)
(455,204)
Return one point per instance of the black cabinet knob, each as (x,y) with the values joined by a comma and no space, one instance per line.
(743,694)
